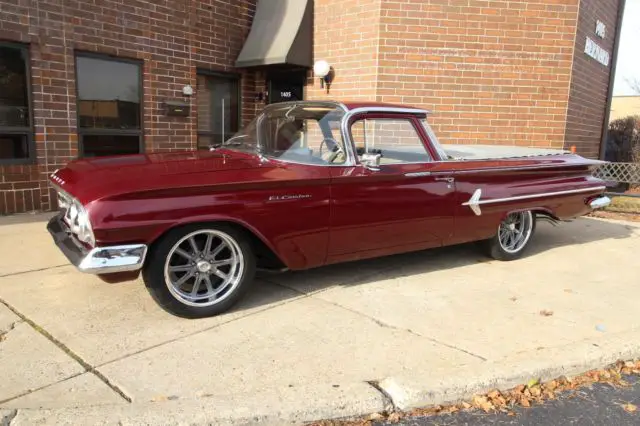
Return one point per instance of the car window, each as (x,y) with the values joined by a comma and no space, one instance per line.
(396,140)
(309,141)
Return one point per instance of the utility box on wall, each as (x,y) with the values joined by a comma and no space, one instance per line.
(177,108)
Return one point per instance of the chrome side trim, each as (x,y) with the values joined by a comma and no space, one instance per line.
(475,202)
(107,260)
(417,174)
(397,110)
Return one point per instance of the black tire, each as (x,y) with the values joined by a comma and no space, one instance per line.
(154,277)
(494,248)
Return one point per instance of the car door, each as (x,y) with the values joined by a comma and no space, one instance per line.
(401,205)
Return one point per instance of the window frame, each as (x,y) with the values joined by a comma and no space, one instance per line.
(237,77)
(93,131)
(28,131)
(414,121)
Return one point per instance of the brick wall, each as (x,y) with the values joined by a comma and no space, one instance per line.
(493,72)
(346,35)
(590,81)
(172,38)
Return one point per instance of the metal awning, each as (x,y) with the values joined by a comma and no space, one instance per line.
(281,34)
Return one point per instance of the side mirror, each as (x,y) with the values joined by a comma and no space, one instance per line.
(371,161)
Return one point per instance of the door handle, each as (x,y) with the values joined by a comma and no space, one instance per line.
(446,179)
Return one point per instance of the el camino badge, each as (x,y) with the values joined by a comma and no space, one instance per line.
(288,197)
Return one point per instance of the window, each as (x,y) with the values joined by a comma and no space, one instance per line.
(396,140)
(16,135)
(218,108)
(109,106)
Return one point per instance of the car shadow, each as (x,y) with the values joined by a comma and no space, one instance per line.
(363,272)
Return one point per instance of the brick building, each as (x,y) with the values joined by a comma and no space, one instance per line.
(88,78)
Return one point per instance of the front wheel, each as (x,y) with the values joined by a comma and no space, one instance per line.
(513,236)
(200,271)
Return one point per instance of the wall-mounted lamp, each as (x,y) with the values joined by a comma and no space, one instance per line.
(324,72)
(187,90)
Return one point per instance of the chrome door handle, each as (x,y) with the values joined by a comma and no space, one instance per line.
(446,179)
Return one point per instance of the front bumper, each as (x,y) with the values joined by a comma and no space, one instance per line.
(99,260)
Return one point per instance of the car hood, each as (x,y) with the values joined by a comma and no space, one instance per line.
(106,177)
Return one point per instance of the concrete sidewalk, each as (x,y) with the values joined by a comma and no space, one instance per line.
(424,327)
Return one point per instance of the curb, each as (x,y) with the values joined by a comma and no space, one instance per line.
(306,404)
(417,391)
(294,405)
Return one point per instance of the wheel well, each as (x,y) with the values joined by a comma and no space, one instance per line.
(545,215)
(265,257)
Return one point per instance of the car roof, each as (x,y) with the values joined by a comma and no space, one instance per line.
(351,105)
(359,105)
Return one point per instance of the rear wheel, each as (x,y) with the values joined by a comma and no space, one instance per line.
(200,270)
(513,236)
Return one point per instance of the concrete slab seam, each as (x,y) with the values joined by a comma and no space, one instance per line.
(88,367)
(34,390)
(33,270)
(385,325)
(195,333)
(375,320)
(408,330)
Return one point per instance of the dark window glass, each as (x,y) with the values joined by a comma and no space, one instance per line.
(14,146)
(101,145)
(14,100)
(109,106)
(108,93)
(15,114)
(218,109)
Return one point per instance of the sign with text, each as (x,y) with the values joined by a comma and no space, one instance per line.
(285,86)
(601,29)
(592,49)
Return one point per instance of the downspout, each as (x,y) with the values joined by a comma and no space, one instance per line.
(612,77)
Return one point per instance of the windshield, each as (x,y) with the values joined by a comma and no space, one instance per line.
(304,133)
(435,142)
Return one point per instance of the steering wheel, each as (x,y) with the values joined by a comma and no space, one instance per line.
(333,147)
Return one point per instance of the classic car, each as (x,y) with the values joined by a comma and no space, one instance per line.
(303,185)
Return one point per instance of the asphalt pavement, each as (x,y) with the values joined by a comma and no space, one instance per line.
(600,405)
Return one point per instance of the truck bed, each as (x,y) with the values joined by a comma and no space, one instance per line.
(489,152)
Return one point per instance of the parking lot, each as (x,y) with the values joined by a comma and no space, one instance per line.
(309,344)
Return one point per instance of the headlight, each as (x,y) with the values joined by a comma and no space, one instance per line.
(77,219)
(63,201)
(85,233)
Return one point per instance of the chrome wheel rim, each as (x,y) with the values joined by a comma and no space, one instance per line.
(514,231)
(204,268)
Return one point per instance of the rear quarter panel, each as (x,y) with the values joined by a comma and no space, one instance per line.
(514,178)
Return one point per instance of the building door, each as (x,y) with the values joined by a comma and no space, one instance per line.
(285,86)
(218,109)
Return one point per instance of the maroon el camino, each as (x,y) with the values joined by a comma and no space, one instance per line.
(306,184)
